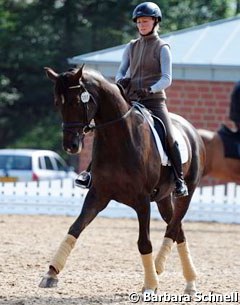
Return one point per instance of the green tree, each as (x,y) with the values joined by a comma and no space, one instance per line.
(187,13)
(37,33)
(237,11)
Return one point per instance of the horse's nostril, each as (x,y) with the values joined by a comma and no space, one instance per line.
(74,146)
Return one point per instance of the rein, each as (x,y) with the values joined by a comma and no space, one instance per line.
(91,128)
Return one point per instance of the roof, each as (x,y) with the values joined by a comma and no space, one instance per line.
(113,55)
(214,45)
(24,151)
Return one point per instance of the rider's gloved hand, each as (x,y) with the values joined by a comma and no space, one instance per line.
(143,92)
(124,82)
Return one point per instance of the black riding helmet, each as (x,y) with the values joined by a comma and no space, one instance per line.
(147,9)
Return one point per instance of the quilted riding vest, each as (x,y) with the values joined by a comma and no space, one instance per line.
(145,64)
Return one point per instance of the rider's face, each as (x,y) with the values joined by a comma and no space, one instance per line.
(145,25)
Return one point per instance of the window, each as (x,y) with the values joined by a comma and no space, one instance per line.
(41,163)
(9,162)
(48,163)
(60,165)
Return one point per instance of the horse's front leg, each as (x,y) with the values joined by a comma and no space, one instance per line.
(145,247)
(91,207)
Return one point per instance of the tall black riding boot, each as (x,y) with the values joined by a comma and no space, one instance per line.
(84,179)
(175,157)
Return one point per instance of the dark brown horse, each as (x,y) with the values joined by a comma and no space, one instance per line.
(217,165)
(126,167)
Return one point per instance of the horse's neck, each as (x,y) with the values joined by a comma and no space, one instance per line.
(111,107)
(111,103)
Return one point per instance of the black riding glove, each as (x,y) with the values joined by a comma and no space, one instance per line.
(124,82)
(143,92)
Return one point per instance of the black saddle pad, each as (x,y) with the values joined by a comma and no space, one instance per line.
(231,142)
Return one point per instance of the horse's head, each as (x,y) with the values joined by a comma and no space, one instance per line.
(76,105)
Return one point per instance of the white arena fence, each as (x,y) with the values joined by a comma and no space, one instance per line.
(219,203)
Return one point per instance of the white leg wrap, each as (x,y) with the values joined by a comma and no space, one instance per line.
(64,250)
(150,275)
(189,271)
(163,254)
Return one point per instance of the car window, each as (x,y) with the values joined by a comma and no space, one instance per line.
(12,162)
(41,163)
(61,166)
(48,163)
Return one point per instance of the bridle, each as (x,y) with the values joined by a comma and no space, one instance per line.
(86,126)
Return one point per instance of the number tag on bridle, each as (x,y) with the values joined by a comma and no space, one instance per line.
(85,97)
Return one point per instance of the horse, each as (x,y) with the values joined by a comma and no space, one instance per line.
(126,167)
(217,165)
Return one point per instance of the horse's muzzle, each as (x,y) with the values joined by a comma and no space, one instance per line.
(73,145)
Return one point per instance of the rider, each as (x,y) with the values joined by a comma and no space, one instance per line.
(148,59)
(234,113)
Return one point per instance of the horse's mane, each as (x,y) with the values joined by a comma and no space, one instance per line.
(94,73)
(96,76)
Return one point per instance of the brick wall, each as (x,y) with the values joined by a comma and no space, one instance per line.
(205,104)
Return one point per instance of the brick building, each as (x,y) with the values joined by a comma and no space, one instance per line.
(206,64)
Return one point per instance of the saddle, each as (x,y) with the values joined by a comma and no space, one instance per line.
(158,130)
(231,142)
(159,134)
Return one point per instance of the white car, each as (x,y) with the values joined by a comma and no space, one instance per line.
(32,165)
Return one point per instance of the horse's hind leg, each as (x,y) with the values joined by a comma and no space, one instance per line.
(91,207)
(188,268)
(145,247)
(166,210)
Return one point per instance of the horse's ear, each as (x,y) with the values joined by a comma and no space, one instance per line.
(79,73)
(51,74)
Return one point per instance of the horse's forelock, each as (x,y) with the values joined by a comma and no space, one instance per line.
(60,86)
(63,80)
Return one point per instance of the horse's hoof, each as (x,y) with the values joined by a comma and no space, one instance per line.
(190,292)
(190,288)
(48,282)
(149,291)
